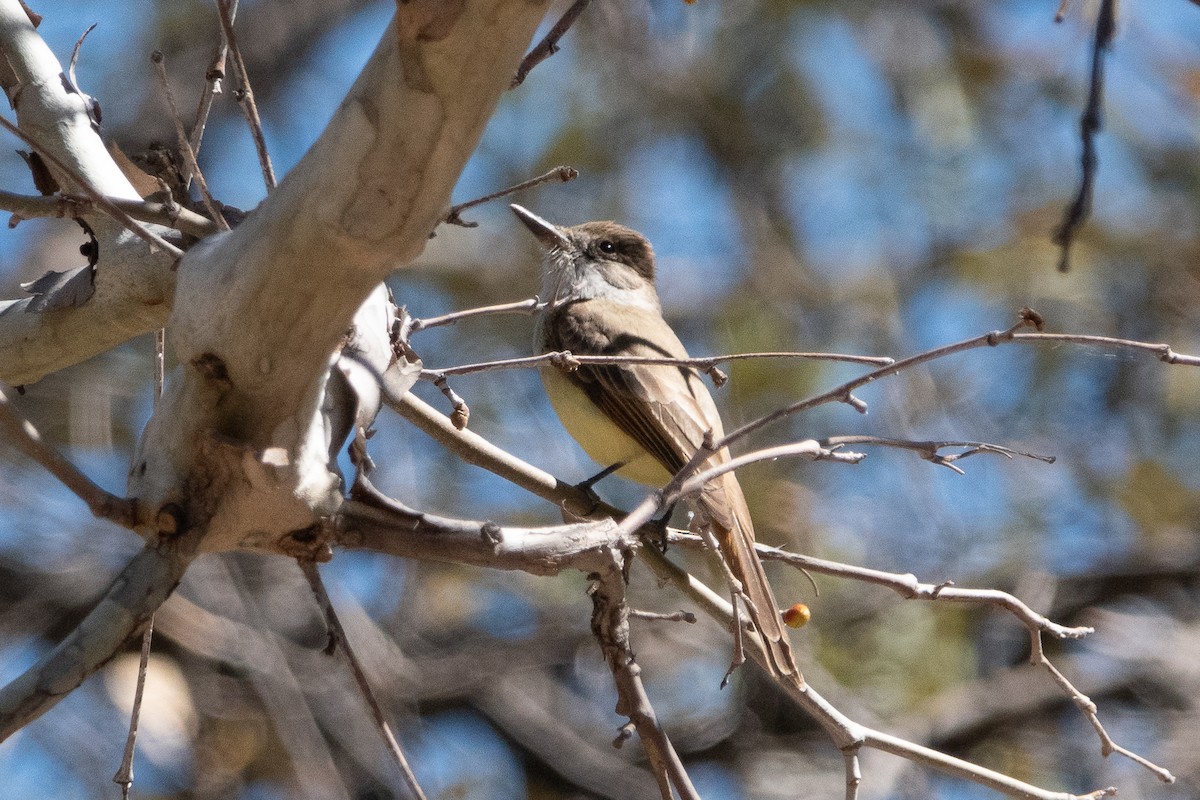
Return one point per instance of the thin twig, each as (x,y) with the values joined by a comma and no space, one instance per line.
(112,209)
(929,450)
(736,592)
(474,449)
(124,774)
(213,79)
(844,732)
(21,433)
(71,79)
(845,390)
(809,448)
(530,306)
(185,147)
(907,586)
(853,773)
(570,361)
(548,46)
(160,364)
(656,616)
(462,412)
(1088,709)
(28,206)
(1029,317)
(563,174)
(1163,351)
(339,641)
(245,94)
(1089,125)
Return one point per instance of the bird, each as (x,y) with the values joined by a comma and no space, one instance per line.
(645,422)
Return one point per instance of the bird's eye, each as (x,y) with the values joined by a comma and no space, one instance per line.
(607,247)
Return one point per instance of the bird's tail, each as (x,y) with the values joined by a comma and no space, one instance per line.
(725,506)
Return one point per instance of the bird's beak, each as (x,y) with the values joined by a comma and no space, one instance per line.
(549,234)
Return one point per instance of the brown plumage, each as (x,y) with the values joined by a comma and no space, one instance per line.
(599,286)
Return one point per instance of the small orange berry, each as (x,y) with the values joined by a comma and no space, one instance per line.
(797,616)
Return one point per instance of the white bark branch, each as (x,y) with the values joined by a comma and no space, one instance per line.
(132,286)
(123,613)
(239,438)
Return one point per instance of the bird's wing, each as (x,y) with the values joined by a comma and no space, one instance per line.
(668,411)
(665,409)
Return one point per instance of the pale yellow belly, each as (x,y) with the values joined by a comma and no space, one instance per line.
(600,438)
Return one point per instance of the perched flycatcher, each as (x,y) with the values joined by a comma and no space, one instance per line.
(598,284)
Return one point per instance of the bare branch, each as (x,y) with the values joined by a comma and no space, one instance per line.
(1088,708)
(75,58)
(185,146)
(565,359)
(213,78)
(907,586)
(142,232)
(339,641)
(809,449)
(1163,351)
(62,206)
(610,624)
(848,735)
(530,306)
(655,616)
(1089,125)
(462,412)
(474,449)
(844,391)
(1028,317)
(844,732)
(122,614)
(124,774)
(548,46)
(21,433)
(562,174)
(853,773)
(929,450)
(372,521)
(245,94)
(971,772)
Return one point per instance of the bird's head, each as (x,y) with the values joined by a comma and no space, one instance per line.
(595,259)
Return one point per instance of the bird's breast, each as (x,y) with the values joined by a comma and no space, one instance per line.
(601,438)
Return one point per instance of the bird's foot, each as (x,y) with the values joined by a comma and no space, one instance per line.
(586,485)
(659,530)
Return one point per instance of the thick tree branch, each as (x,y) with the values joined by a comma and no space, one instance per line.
(132,286)
(610,624)
(386,526)
(120,616)
(262,310)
